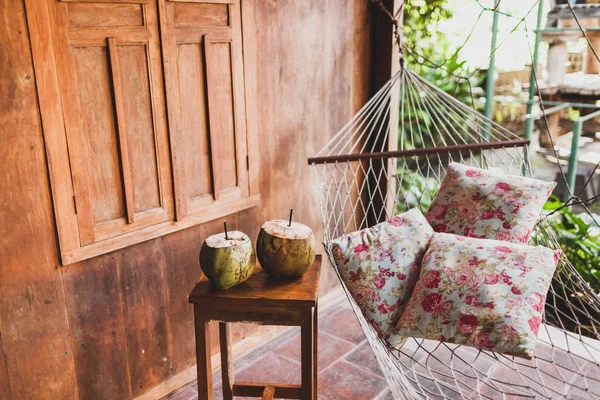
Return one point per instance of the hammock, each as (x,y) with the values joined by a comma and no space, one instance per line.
(390,157)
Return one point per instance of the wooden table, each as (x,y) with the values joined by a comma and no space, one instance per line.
(263,300)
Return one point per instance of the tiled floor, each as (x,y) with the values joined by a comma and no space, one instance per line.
(347,367)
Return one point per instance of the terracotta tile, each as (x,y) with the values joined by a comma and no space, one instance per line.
(343,324)
(343,381)
(271,367)
(243,362)
(187,394)
(330,348)
(363,357)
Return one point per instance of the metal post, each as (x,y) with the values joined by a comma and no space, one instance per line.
(577,129)
(489,86)
(538,38)
(572,173)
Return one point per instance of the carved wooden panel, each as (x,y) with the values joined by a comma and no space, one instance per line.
(110,77)
(204,65)
(107,83)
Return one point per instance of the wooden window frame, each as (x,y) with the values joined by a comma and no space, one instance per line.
(72,248)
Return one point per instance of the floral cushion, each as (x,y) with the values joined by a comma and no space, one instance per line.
(483,293)
(380,266)
(486,204)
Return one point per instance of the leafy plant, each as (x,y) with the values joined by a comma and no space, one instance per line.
(579,238)
(430,54)
(421,18)
(416,190)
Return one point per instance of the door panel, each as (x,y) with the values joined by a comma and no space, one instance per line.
(194,121)
(82,15)
(133,61)
(99,134)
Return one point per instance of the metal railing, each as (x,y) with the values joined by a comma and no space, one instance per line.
(577,131)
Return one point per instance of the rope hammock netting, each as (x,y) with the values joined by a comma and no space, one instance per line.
(391,157)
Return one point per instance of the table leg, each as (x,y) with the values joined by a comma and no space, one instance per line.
(226,360)
(307,333)
(203,363)
(315,351)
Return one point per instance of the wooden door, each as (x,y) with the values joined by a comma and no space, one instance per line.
(205,94)
(111,85)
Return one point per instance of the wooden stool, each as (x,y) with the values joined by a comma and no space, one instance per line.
(263,300)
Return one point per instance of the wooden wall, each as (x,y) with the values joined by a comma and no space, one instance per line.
(114,326)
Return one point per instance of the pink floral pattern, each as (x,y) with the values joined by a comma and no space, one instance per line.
(482,293)
(380,267)
(487,204)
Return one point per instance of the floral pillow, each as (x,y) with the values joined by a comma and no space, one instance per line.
(487,204)
(483,293)
(380,266)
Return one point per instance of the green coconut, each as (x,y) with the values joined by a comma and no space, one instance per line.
(227,262)
(286,251)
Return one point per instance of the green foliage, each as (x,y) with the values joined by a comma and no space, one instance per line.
(417,190)
(432,56)
(579,238)
(427,46)
(421,18)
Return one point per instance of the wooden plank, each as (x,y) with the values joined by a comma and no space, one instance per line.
(268,393)
(215,88)
(238,99)
(194,34)
(159,112)
(420,152)
(261,289)
(203,1)
(149,343)
(154,231)
(203,353)
(196,14)
(37,352)
(98,328)
(107,1)
(181,253)
(52,124)
(248,32)
(97,36)
(105,15)
(226,360)
(170,67)
(196,165)
(256,389)
(121,129)
(4,379)
(141,136)
(263,315)
(92,65)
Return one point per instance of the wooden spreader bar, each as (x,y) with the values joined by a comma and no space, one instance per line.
(420,152)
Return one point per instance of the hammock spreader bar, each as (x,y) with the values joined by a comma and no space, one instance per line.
(420,152)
